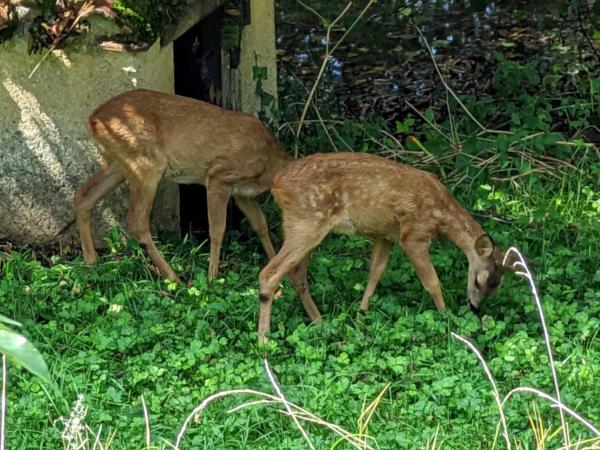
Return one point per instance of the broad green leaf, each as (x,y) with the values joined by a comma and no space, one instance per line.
(21,351)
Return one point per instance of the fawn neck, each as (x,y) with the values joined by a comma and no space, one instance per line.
(460,227)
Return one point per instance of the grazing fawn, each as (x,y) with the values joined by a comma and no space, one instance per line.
(146,136)
(364,194)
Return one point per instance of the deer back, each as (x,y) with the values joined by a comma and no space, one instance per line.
(363,194)
(190,139)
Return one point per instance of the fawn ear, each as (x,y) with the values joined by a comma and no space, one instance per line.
(484,246)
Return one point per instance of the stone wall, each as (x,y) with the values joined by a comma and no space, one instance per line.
(45,153)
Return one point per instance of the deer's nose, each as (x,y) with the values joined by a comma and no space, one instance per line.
(475,309)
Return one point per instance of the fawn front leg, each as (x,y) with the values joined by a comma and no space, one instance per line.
(141,197)
(418,253)
(217,197)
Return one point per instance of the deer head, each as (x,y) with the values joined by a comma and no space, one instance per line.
(486,270)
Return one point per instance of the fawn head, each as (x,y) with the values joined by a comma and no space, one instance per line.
(486,270)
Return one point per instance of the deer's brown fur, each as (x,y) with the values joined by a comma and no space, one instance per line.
(146,136)
(364,194)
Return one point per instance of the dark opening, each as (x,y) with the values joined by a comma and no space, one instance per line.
(197,61)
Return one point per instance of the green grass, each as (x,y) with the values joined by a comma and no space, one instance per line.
(116,332)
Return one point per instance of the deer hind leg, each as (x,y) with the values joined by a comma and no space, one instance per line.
(418,253)
(300,239)
(141,197)
(86,198)
(299,279)
(258,222)
(379,259)
(217,197)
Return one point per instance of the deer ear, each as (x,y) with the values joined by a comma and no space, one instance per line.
(484,246)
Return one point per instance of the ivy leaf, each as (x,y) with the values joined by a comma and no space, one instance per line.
(21,351)
(259,73)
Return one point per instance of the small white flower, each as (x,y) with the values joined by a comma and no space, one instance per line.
(114,308)
(72,433)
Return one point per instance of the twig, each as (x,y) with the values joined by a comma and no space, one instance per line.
(585,34)
(96,437)
(286,404)
(326,56)
(429,122)
(314,11)
(3,400)
(63,36)
(448,88)
(490,377)
(267,398)
(523,270)
(319,117)
(367,414)
(594,441)
(147,422)
(557,403)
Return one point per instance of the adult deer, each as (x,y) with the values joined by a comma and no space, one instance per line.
(146,136)
(364,194)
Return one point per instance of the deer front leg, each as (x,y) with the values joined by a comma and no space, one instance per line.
(379,259)
(143,191)
(258,222)
(86,198)
(217,195)
(418,253)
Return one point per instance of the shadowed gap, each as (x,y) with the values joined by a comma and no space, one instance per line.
(197,61)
